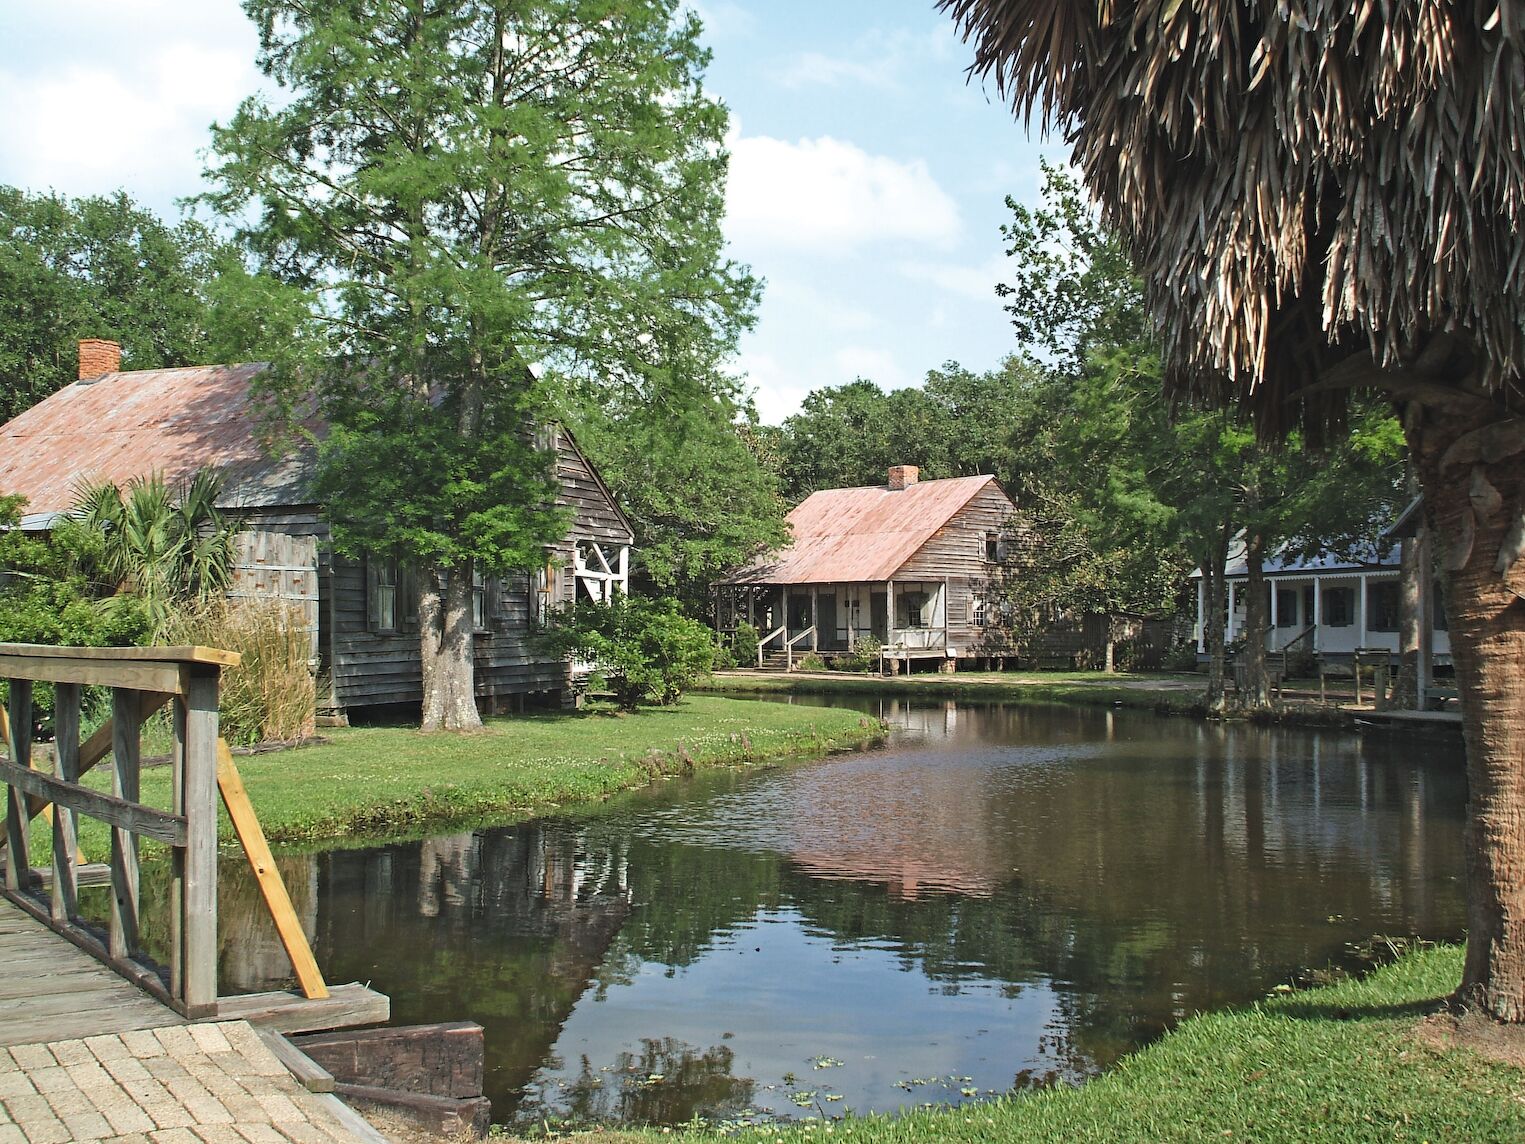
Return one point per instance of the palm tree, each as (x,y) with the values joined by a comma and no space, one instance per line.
(166,547)
(1321,196)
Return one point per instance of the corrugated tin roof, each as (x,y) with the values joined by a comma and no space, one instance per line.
(862,534)
(169,421)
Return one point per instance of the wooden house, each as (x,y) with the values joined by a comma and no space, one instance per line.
(910,564)
(116,425)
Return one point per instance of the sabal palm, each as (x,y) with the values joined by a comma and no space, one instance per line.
(163,545)
(1320,195)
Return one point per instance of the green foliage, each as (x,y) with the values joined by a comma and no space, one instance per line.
(811,661)
(691,481)
(549,187)
(744,643)
(96,267)
(864,657)
(644,650)
(163,548)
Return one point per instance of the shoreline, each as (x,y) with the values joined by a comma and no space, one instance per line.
(1176,694)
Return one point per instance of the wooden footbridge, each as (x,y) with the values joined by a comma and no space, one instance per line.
(64,978)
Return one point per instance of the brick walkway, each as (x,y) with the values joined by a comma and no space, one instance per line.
(187,1084)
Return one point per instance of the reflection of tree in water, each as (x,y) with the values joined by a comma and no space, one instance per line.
(1191,868)
(669,1082)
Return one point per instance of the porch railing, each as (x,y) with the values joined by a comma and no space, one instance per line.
(789,645)
(919,639)
(779,633)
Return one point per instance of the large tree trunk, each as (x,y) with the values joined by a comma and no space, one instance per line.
(1257,681)
(1474,510)
(446,648)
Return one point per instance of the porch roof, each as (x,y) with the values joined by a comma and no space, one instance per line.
(861,535)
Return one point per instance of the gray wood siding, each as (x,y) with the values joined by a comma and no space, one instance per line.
(956,552)
(596,516)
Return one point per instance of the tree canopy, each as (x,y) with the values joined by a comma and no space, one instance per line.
(100,267)
(463,191)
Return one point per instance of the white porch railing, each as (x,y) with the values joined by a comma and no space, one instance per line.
(778,633)
(789,645)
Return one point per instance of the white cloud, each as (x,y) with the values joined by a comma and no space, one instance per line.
(776,390)
(722,19)
(872,364)
(977,282)
(828,194)
(101,96)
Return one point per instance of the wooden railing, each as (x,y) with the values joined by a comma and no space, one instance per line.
(141,680)
(779,633)
(789,645)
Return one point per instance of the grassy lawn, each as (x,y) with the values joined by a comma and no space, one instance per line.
(371,782)
(1149,690)
(1342,1063)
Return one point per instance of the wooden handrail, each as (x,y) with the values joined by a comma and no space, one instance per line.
(769,638)
(789,646)
(141,680)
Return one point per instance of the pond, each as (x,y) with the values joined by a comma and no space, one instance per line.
(1003,896)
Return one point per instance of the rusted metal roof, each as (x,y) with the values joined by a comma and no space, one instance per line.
(863,534)
(167,421)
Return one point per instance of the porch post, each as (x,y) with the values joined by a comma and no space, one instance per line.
(815,617)
(889,613)
(1318,611)
(1233,605)
(1201,615)
(1362,629)
(1271,588)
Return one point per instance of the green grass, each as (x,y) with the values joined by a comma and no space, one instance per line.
(1338,1064)
(374,782)
(1154,691)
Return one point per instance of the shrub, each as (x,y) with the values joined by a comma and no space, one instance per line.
(863,657)
(1182,657)
(272,694)
(744,643)
(811,662)
(725,660)
(645,651)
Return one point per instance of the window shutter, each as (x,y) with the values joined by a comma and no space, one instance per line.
(372,594)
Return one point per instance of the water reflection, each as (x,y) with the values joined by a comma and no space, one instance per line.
(1005,894)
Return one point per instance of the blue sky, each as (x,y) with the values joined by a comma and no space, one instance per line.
(867,184)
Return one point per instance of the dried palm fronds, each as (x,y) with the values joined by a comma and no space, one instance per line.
(1299,180)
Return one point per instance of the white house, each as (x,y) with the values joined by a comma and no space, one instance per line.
(1329,604)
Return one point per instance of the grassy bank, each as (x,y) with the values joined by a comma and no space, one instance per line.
(1156,691)
(369,782)
(1344,1063)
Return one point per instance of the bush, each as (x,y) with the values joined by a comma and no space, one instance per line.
(645,651)
(864,657)
(744,643)
(811,662)
(1182,657)
(725,660)
(272,694)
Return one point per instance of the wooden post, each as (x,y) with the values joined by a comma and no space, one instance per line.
(1318,616)
(889,620)
(65,897)
(1426,660)
(815,618)
(1202,615)
(125,723)
(1361,638)
(177,856)
(271,885)
(18,820)
(200,794)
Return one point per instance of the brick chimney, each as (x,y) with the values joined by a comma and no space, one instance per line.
(98,358)
(903,476)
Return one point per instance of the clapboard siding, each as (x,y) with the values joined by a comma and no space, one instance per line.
(597,517)
(956,554)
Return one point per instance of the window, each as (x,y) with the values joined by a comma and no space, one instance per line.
(1382,606)
(1339,607)
(910,605)
(540,581)
(1286,607)
(993,547)
(381,593)
(479,601)
(977,611)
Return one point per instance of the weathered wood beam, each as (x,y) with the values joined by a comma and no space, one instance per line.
(141,820)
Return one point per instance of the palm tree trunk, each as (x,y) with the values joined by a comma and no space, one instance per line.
(1410,613)
(1479,536)
(1217,605)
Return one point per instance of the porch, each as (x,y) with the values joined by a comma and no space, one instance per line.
(907,620)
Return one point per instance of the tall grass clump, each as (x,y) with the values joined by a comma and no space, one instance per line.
(272,694)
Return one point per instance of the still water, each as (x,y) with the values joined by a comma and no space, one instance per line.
(1002,896)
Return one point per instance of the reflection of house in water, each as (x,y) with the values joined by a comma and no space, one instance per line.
(251,958)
